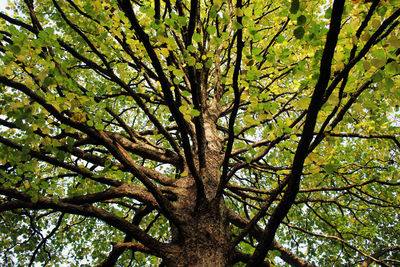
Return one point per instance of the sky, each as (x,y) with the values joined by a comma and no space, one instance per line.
(3,4)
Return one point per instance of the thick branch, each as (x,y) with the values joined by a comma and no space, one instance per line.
(146,151)
(18,23)
(124,190)
(257,233)
(166,89)
(85,210)
(302,150)
(235,85)
(56,162)
(122,155)
(194,10)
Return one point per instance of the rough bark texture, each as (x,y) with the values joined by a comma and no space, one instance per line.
(204,239)
(204,233)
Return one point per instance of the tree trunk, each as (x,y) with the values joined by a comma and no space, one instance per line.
(203,239)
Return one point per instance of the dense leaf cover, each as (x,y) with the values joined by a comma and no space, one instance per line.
(122,122)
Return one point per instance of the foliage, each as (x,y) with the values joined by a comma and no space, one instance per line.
(122,118)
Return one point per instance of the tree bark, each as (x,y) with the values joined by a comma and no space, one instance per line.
(203,240)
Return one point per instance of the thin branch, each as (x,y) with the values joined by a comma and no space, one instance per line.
(44,240)
(257,233)
(24,201)
(347,244)
(118,249)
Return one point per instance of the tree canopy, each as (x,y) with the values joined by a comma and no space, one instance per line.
(200,133)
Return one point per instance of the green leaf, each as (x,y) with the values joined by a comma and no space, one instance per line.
(253,30)
(185,93)
(57,92)
(99,127)
(43,35)
(378,76)
(15,49)
(211,29)
(275,253)
(182,21)
(198,66)
(237,25)
(183,109)
(191,48)
(301,20)
(195,112)
(209,63)
(191,61)
(328,13)
(214,11)
(197,37)
(280,39)
(294,6)
(48,81)
(299,32)
(389,83)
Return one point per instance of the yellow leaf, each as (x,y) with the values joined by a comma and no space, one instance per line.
(46,131)
(46,141)
(244,96)
(333,100)
(96,5)
(272,136)
(366,65)
(376,23)
(21,57)
(161,39)
(29,83)
(365,37)
(338,66)
(8,71)
(239,12)
(27,185)
(78,117)
(357,107)
(354,40)
(42,75)
(378,63)
(165,52)
(57,106)
(315,169)
(394,42)
(262,117)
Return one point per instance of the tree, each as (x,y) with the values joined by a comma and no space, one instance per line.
(200,133)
